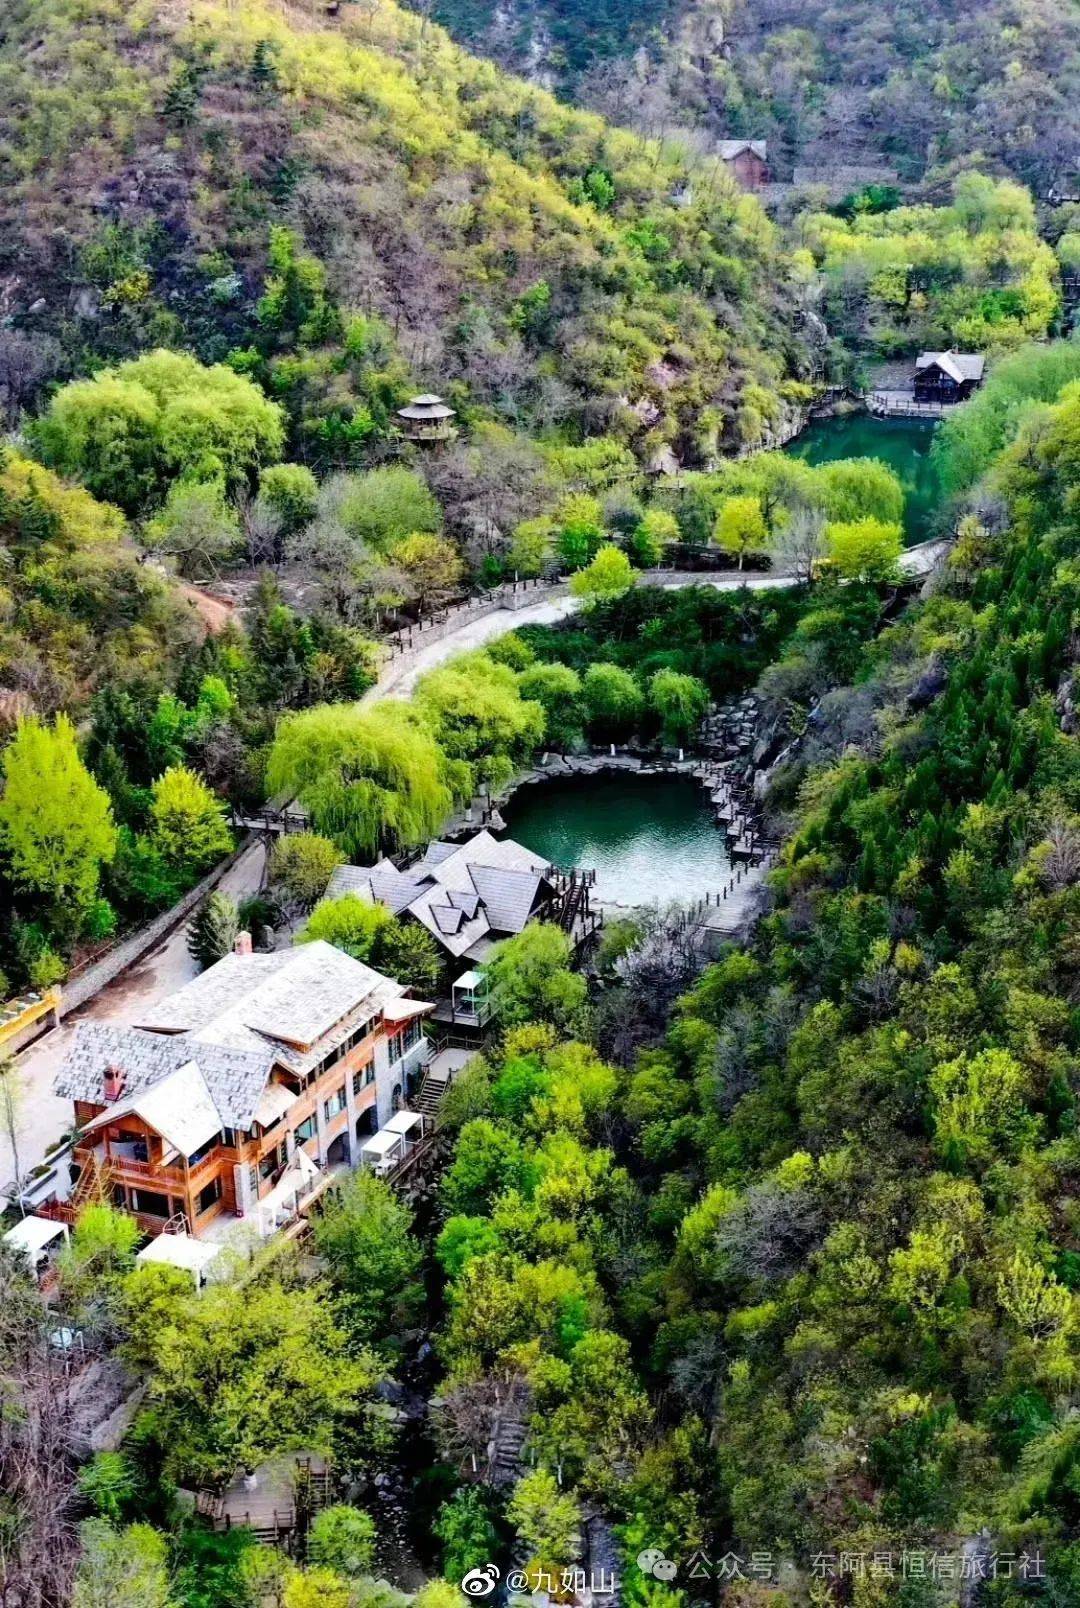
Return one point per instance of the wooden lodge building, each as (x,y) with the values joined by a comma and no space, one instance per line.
(947,377)
(231,1098)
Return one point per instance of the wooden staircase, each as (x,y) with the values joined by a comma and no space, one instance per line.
(93,1185)
(429,1096)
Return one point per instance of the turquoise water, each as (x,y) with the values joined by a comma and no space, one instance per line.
(904,444)
(649,838)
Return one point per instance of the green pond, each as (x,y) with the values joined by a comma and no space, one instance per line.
(904,444)
(648,838)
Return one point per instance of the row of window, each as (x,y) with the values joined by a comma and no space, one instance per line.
(403,1040)
(339,1051)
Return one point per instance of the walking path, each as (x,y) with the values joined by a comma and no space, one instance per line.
(400,674)
(42,1118)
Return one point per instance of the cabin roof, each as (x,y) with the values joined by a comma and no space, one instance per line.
(959,366)
(730,149)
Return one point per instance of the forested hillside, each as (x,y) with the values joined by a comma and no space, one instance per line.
(350,207)
(916,88)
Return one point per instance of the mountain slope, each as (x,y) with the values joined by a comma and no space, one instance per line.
(527,259)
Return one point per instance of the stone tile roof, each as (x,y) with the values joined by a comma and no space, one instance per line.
(461,892)
(237,1021)
(235,1078)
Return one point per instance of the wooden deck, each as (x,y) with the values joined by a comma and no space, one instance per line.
(285,1487)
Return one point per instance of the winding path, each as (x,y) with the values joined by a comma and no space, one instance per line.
(400,674)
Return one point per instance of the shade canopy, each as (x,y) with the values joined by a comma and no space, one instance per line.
(34,1235)
(404,1122)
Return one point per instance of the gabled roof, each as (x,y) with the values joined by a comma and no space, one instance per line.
(179,1107)
(730,149)
(959,366)
(461,892)
(235,1078)
(237,1021)
(293,997)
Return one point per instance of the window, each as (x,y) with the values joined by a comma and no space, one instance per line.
(272,1160)
(307,1129)
(210,1194)
(404,1039)
(335,1103)
(363,1077)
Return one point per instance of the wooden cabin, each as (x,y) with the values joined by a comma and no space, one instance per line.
(747,162)
(947,377)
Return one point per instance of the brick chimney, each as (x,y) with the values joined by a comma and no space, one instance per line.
(113,1083)
(242,946)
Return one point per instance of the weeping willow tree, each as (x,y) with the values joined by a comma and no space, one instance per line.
(373,779)
(479,716)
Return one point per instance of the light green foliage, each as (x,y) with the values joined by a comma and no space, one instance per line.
(366,1235)
(479,715)
(547,1520)
(56,823)
(651,535)
(238,1373)
(609,575)
(130,430)
(979,1104)
(859,488)
(865,550)
(532,547)
(371,777)
(196,526)
(680,702)
(579,526)
(970,438)
(348,922)
(96,1258)
(342,1538)
(613,700)
(301,865)
(488,1160)
(188,824)
(530,979)
(431,564)
(385,506)
(317,1588)
(972,275)
(291,491)
(128,1566)
(557,689)
(108,1483)
(741,527)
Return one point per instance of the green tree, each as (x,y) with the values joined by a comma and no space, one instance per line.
(301,865)
(384,506)
(488,1160)
(56,824)
(467,1531)
(579,524)
(865,550)
(547,1519)
(532,547)
(342,1538)
(291,491)
(372,778)
(647,541)
(530,978)
(367,1237)
(613,700)
(680,701)
(741,527)
(131,430)
(348,922)
(196,526)
(187,822)
(431,564)
(128,1566)
(96,1260)
(609,575)
(557,689)
(214,928)
(238,1373)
